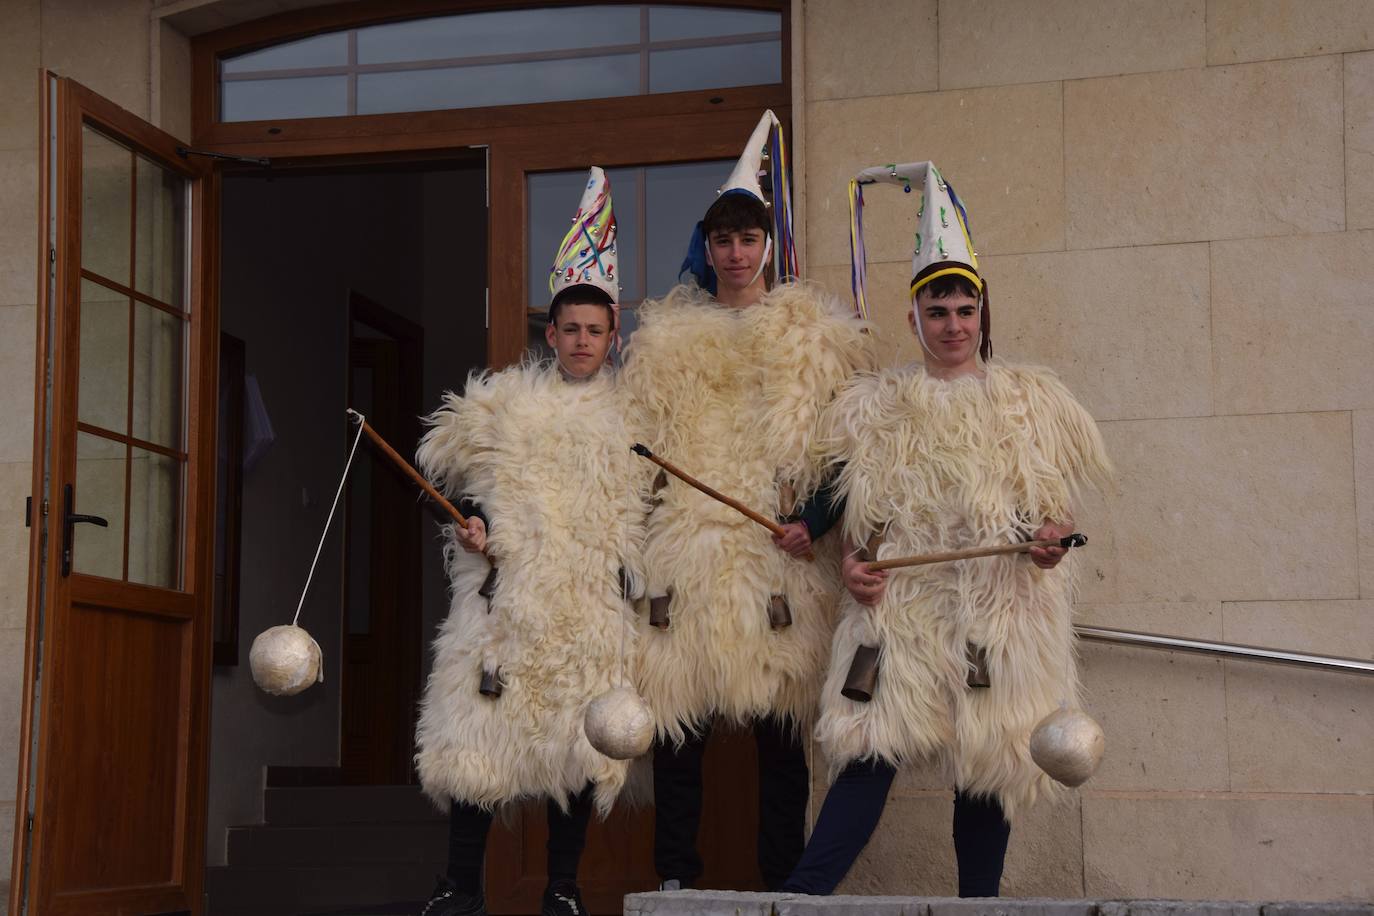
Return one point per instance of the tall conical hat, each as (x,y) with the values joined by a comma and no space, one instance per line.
(764,154)
(943,244)
(587,256)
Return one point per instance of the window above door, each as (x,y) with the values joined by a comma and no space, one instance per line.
(503,57)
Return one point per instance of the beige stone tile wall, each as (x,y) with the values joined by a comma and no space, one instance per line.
(110,53)
(1171,202)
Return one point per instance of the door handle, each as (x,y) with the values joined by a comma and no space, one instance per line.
(70,520)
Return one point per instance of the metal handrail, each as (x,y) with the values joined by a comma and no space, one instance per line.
(1227,650)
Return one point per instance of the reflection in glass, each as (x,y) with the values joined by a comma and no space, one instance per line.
(499,84)
(298,97)
(552,199)
(99,491)
(154,519)
(670,23)
(106,176)
(511,32)
(675,198)
(319,51)
(158,375)
(160,234)
(103,387)
(753,64)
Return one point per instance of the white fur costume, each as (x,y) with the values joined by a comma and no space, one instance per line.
(734,397)
(550,463)
(939,465)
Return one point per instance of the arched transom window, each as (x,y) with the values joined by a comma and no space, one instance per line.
(507,57)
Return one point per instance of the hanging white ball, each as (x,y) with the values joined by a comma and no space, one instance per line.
(1068,744)
(619,724)
(285,660)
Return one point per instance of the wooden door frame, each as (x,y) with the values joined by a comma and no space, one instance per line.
(48,596)
(409,338)
(521,139)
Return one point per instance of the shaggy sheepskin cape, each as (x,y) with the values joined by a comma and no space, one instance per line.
(550,464)
(936,465)
(734,397)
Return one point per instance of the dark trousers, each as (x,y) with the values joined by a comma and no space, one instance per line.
(784,786)
(468,826)
(851,812)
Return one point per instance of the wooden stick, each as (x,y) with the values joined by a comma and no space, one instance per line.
(1073,540)
(733,503)
(405,466)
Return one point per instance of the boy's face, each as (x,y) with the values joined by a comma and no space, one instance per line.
(949,327)
(581,337)
(736,256)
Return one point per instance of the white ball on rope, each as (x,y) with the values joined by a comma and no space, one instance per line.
(285,661)
(618,724)
(1068,744)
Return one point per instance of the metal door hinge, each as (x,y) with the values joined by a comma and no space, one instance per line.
(28,511)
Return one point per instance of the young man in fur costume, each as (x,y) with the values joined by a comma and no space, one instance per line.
(728,381)
(963,452)
(540,454)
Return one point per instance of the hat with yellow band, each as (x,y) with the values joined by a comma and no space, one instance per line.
(943,244)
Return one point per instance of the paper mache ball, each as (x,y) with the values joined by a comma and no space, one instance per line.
(619,724)
(285,660)
(1067,744)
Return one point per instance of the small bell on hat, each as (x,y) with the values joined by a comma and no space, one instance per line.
(618,723)
(944,244)
(587,255)
(285,660)
(1068,744)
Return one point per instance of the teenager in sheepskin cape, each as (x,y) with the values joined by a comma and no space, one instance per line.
(540,452)
(730,388)
(957,453)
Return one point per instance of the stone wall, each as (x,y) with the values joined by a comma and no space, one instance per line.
(109,51)
(1172,203)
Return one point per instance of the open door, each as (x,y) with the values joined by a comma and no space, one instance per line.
(113,755)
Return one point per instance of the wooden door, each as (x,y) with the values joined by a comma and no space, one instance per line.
(381,626)
(116,698)
(619,855)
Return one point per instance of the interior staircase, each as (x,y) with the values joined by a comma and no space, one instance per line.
(331,849)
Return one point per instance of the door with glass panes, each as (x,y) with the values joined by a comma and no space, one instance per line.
(113,748)
(658,202)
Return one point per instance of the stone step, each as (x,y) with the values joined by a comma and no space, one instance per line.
(741,903)
(290,891)
(338,844)
(298,807)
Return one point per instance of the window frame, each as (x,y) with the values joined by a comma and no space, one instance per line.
(207,49)
(546,136)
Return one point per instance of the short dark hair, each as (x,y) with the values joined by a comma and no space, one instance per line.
(581,294)
(736,212)
(950,285)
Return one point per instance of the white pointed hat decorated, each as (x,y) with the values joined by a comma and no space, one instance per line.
(943,244)
(766,145)
(745,176)
(588,256)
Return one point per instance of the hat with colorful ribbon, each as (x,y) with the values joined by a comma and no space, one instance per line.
(587,256)
(943,245)
(765,155)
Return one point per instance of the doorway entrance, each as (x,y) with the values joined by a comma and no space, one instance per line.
(341,284)
(156,635)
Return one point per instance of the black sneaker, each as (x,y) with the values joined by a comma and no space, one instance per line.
(562,899)
(447,900)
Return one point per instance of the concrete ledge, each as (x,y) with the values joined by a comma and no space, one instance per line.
(744,903)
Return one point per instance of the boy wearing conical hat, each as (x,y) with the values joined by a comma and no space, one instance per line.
(962,451)
(539,452)
(727,378)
